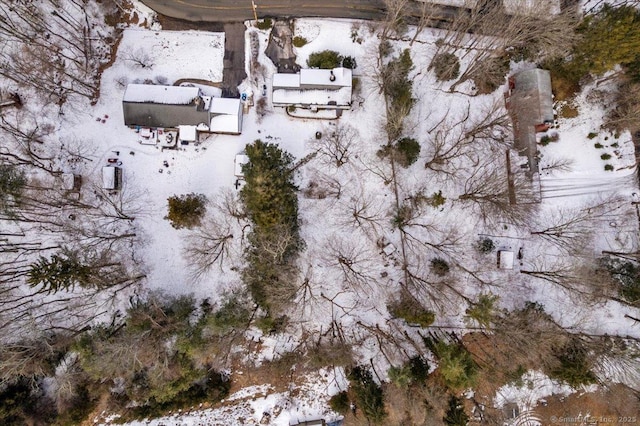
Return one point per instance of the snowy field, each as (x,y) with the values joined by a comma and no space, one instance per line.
(208,169)
(353,303)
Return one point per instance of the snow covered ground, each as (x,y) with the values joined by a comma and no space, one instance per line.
(209,169)
(356,303)
(260,405)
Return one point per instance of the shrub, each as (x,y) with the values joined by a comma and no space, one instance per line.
(446,66)
(614,145)
(349,62)
(369,395)
(270,325)
(439,267)
(608,167)
(598,145)
(408,150)
(415,371)
(291,109)
(299,41)
(340,402)
(455,364)
(544,140)
(330,354)
(327,59)
(485,245)
(233,314)
(627,274)
(411,311)
(574,366)
(437,199)
(455,415)
(592,135)
(265,24)
(605,156)
(186,211)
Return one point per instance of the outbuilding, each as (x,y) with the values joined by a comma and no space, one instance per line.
(505,259)
(111,177)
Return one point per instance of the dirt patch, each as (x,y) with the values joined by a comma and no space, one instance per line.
(615,405)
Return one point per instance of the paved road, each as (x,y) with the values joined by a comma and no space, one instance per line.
(240,10)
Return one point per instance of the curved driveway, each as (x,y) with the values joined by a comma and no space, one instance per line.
(240,10)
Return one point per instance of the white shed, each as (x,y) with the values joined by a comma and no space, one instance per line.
(111,177)
(505,259)
(240,160)
(187,134)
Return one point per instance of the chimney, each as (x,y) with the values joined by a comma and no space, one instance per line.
(332,76)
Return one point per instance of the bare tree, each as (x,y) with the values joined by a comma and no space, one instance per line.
(356,262)
(209,245)
(493,193)
(335,143)
(571,229)
(140,58)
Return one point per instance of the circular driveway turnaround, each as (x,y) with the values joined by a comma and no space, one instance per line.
(240,10)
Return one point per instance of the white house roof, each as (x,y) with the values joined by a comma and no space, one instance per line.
(109,177)
(286,80)
(225,123)
(187,133)
(313,77)
(171,95)
(505,259)
(340,97)
(224,106)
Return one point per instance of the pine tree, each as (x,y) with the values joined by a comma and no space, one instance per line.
(610,37)
(455,415)
(60,272)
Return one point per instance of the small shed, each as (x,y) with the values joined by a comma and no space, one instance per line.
(505,259)
(187,134)
(240,160)
(111,177)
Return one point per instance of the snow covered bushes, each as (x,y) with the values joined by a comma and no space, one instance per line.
(186,211)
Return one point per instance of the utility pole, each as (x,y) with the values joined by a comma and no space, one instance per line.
(255,14)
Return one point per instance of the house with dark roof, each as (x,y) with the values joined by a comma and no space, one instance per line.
(530,103)
(147,105)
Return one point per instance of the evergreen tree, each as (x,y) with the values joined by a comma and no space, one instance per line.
(269,194)
(610,37)
(186,211)
(12,182)
(369,395)
(271,203)
(327,59)
(455,415)
(60,272)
